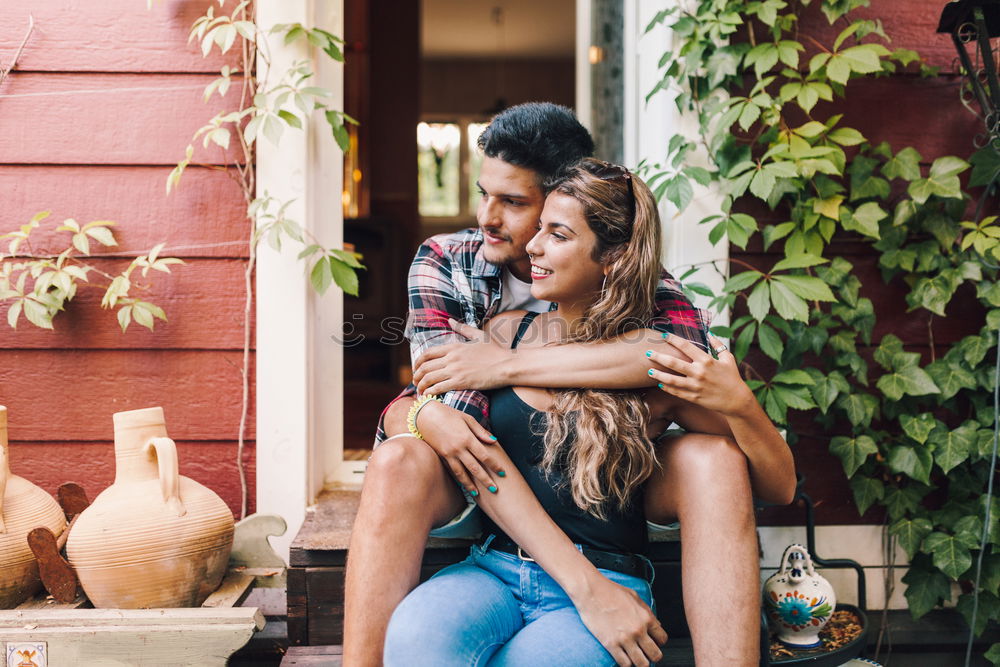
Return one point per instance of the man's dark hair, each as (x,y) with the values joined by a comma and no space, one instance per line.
(541,136)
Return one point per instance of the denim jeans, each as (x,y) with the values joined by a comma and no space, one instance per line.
(495,609)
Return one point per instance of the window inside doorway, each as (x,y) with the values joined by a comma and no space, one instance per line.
(448,163)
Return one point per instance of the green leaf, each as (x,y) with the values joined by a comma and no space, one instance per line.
(912,381)
(910,533)
(679,192)
(124,317)
(866,492)
(985,166)
(799,262)
(943,180)
(787,303)
(344,276)
(846,136)
(902,501)
(797,397)
(950,556)
(741,281)
(950,378)
(915,462)
(952,447)
(807,287)
(864,219)
(988,609)
(290,118)
(905,164)
(860,408)
(853,452)
(925,588)
(918,427)
(759,301)
(794,376)
(770,342)
(321,276)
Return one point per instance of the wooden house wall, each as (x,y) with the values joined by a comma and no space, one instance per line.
(904,110)
(104,100)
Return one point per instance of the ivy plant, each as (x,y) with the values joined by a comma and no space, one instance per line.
(914,431)
(38,284)
(284,100)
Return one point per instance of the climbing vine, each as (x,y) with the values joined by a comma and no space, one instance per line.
(915,433)
(282,101)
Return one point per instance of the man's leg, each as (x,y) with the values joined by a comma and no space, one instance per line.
(705,484)
(407,491)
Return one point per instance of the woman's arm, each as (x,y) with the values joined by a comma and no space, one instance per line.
(715,399)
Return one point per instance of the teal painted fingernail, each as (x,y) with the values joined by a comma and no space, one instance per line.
(493,489)
(493,438)
(474,493)
(660,385)
(666,334)
(501,473)
(650,371)
(649,353)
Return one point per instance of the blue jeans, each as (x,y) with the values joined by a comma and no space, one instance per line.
(495,609)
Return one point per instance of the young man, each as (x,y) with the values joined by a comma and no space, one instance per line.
(468,277)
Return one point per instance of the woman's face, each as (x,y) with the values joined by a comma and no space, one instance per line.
(562,266)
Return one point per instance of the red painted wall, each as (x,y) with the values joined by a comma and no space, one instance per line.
(103,102)
(904,110)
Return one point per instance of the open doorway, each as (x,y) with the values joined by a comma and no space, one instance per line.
(423,79)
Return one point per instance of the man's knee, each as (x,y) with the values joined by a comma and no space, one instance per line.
(406,462)
(714,456)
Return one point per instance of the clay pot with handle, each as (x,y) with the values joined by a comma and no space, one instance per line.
(798,601)
(23,507)
(153,538)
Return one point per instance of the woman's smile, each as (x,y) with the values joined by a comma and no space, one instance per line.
(538,273)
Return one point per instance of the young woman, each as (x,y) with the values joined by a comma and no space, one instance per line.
(584,454)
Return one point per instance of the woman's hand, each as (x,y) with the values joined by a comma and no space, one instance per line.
(714,384)
(622,622)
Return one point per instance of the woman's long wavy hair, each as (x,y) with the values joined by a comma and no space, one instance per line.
(597,438)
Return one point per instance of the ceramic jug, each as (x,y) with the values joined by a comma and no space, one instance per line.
(798,601)
(153,538)
(23,507)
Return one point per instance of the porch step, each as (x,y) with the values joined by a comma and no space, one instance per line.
(677,653)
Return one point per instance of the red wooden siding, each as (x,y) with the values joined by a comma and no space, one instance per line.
(103,102)
(904,110)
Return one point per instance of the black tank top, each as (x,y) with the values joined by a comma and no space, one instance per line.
(520,429)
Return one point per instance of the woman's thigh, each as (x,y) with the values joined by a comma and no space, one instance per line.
(559,638)
(461,616)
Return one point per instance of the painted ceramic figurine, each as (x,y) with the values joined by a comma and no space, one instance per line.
(153,538)
(798,601)
(23,507)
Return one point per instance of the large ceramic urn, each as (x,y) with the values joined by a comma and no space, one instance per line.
(153,538)
(23,507)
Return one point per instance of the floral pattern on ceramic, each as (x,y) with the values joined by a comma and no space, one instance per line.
(153,538)
(798,601)
(23,507)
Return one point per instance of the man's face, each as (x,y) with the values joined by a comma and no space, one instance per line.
(508,213)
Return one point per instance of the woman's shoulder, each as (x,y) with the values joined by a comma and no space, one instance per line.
(503,327)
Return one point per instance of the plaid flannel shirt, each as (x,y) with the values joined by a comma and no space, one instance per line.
(450,279)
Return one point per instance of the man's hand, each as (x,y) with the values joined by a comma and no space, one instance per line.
(622,622)
(462,443)
(477,364)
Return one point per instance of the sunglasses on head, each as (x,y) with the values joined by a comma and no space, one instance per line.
(608,171)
